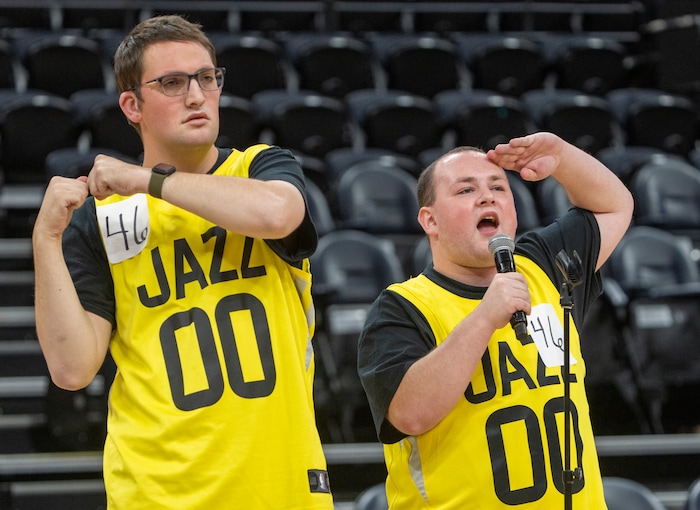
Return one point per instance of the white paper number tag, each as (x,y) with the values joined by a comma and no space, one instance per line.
(124,226)
(546,329)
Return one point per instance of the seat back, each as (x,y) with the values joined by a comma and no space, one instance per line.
(239,127)
(353,267)
(592,65)
(255,63)
(304,121)
(674,68)
(378,198)
(345,158)
(655,118)
(333,65)
(648,259)
(482,118)
(394,120)
(667,195)
(65,63)
(625,160)
(420,64)
(505,64)
(583,120)
(31,126)
(98,112)
(623,494)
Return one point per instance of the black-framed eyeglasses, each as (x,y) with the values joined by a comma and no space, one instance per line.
(178,84)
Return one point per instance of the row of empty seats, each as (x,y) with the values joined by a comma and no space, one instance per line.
(329,134)
(313,124)
(357,16)
(335,63)
(327,138)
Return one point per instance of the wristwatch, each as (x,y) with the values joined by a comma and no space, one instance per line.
(158,175)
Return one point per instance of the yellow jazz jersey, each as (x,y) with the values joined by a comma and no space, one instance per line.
(503,444)
(211,407)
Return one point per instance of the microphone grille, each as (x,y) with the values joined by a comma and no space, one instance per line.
(499,242)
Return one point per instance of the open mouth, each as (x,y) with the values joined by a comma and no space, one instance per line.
(487,223)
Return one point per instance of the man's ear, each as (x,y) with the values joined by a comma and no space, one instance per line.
(427,220)
(129,104)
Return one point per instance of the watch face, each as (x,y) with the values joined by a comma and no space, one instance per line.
(163,169)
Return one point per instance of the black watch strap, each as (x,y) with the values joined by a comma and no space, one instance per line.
(158,175)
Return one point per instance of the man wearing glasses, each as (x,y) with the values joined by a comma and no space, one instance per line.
(192,270)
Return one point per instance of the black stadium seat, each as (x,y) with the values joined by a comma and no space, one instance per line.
(98,112)
(23,153)
(305,121)
(63,63)
(482,118)
(255,63)
(584,120)
(507,64)
(593,65)
(332,64)
(655,118)
(395,120)
(420,64)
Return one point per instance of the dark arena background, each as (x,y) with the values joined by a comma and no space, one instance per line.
(366,94)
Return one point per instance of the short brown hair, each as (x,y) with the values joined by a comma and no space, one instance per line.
(426,189)
(128,59)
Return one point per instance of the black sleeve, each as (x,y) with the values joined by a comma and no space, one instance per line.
(279,164)
(395,336)
(575,232)
(87,262)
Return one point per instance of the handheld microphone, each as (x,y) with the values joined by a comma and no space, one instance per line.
(501,247)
